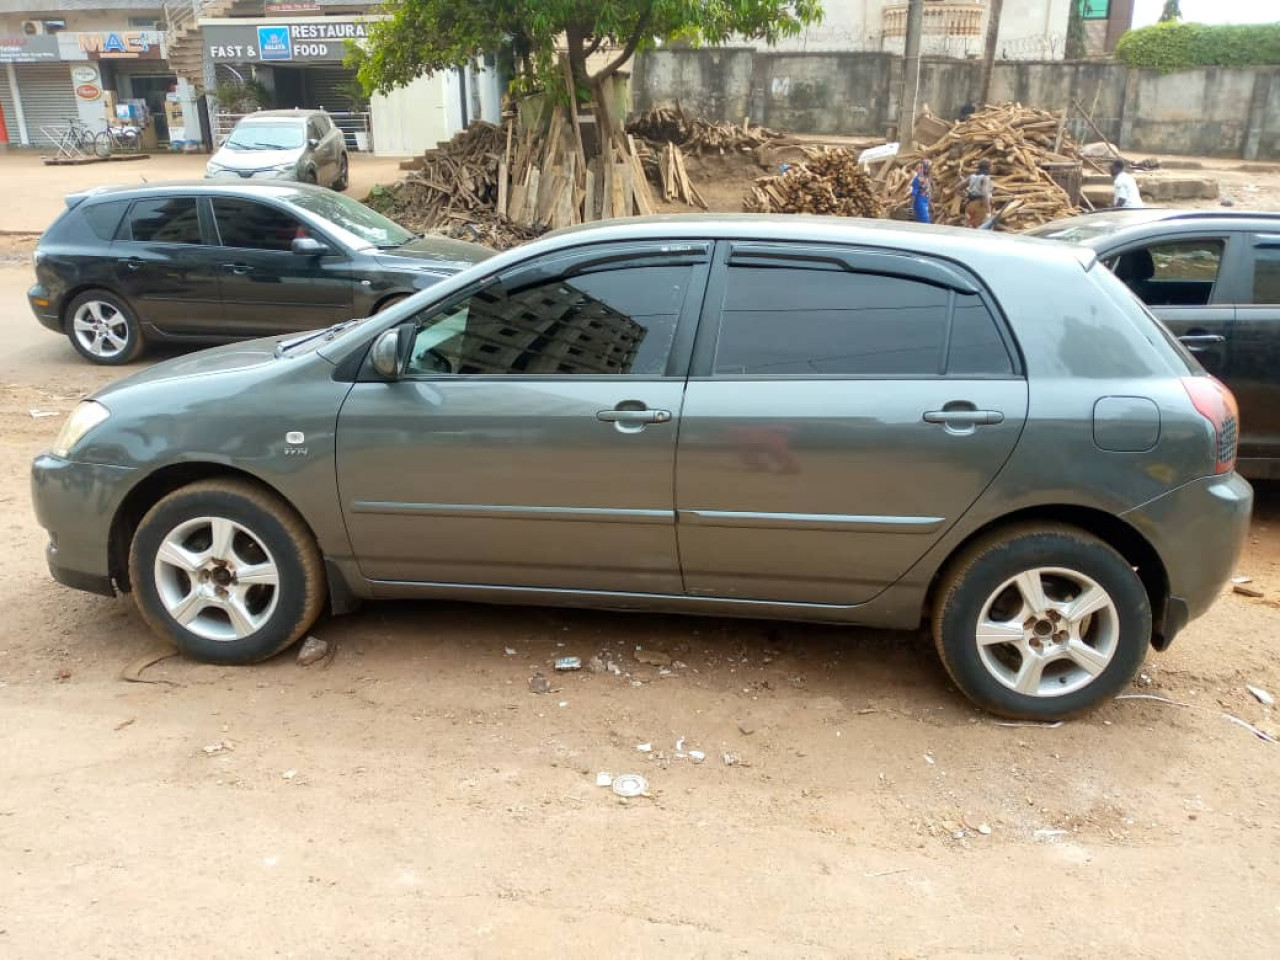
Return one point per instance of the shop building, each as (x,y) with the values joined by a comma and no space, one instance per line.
(59,61)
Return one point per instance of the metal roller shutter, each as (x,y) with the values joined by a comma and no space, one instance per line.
(48,99)
(6,107)
(325,87)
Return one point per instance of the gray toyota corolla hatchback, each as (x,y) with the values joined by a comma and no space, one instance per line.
(813,419)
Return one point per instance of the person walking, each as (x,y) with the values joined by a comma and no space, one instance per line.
(977,195)
(922,193)
(1125,188)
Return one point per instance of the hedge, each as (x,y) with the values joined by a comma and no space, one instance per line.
(1179,46)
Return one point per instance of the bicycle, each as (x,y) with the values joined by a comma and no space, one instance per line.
(76,141)
(125,139)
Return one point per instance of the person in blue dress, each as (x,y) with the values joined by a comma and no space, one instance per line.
(922,194)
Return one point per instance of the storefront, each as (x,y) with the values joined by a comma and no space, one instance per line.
(36,91)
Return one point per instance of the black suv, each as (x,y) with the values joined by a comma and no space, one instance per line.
(1214,279)
(208,262)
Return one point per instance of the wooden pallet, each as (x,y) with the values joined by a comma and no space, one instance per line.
(81,161)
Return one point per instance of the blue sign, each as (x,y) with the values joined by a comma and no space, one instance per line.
(274,43)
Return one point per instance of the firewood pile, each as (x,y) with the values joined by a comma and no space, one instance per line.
(1023,145)
(699,135)
(673,177)
(827,181)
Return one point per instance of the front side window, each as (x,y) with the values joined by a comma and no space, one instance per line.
(613,322)
(255,226)
(364,227)
(169,220)
(1266,275)
(1181,273)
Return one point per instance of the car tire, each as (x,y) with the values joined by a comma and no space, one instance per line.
(344,175)
(1041,622)
(309,175)
(190,553)
(103,328)
(390,302)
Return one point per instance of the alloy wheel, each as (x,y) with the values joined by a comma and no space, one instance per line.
(101,329)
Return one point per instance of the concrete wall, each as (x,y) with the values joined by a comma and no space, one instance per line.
(1213,112)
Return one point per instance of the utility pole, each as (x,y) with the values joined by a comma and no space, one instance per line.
(909,92)
(989,55)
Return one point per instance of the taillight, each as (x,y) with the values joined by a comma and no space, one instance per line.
(1216,404)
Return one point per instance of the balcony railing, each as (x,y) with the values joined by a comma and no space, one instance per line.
(942,18)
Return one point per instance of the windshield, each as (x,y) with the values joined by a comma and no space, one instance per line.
(353,217)
(260,135)
(1092,226)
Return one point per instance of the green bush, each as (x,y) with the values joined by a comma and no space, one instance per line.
(1180,46)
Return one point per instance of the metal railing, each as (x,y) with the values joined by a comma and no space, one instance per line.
(180,14)
(355,126)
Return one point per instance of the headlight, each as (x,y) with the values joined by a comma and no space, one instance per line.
(87,415)
(284,167)
(212,169)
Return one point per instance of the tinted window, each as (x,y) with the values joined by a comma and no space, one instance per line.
(1172,274)
(1266,275)
(104,218)
(172,220)
(615,322)
(976,346)
(255,226)
(805,321)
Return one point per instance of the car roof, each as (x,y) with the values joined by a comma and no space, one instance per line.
(283,190)
(1107,228)
(295,114)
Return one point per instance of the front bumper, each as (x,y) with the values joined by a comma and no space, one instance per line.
(75,503)
(290,174)
(1199,530)
(44,307)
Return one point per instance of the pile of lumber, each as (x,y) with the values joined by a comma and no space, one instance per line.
(1022,144)
(675,181)
(698,135)
(827,181)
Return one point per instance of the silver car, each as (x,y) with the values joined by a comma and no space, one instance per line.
(801,418)
(303,145)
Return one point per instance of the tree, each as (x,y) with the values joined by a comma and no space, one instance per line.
(427,36)
(1172,11)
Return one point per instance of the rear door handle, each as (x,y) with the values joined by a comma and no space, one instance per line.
(237,268)
(133,263)
(964,418)
(634,416)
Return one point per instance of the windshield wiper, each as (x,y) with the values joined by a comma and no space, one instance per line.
(400,243)
(284,346)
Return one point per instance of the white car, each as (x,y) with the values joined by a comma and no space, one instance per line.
(302,145)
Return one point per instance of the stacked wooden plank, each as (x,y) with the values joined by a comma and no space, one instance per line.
(1025,147)
(827,181)
(674,178)
(699,135)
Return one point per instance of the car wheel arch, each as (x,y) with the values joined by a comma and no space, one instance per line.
(72,294)
(1121,536)
(159,483)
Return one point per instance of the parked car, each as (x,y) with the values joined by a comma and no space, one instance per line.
(300,145)
(798,418)
(208,263)
(1214,279)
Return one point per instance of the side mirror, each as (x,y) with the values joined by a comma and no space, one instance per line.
(309,247)
(312,142)
(387,355)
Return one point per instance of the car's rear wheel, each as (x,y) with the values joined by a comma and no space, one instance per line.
(1041,622)
(344,174)
(309,175)
(226,571)
(103,329)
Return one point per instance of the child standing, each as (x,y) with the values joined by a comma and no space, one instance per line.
(977,194)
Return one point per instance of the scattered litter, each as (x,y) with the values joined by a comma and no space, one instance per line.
(509,651)
(679,665)
(732,760)
(1029,723)
(697,756)
(644,747)
(126,723)
(1260,734)
(885,873)
(37,414)
(746,727)
(568,663)
(604,779)
(928,758)
(289,774)
(984,829)
(615,668)
(1247,591)
(313,650)
(631,785)
(563,703)
(679,744)
(1264,698)
(63,675)
(218,746)
(1049,834)
(133,671)
(539,684)
(1242,579)
(655,658)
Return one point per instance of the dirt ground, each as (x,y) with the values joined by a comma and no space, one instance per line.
(412,797)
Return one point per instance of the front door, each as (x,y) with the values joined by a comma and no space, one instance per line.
(266,288)
(843,411)
(1255,357)
(165,269)
(531,441)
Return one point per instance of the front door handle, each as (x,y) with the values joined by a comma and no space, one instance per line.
(1195,342)
(133,263)
(240,269)
(964,418)
(634,416)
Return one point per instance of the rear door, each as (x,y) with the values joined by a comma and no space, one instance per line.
(1186,282)
(844,409)
(266,287)
(1255,354)
(166,268)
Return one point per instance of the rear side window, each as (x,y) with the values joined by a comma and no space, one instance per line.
(255,226)
(1266,275)
(829,321)
(168,220)
(104,218)
(1180,361)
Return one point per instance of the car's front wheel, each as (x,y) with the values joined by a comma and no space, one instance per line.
(227,571)
(103,329)
(344,175)
(1041,622)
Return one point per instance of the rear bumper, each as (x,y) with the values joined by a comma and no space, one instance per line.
(1199,530)
(75,503)
(46,308)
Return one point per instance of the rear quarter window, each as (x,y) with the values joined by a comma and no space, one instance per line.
(1132,310)
(104,218)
